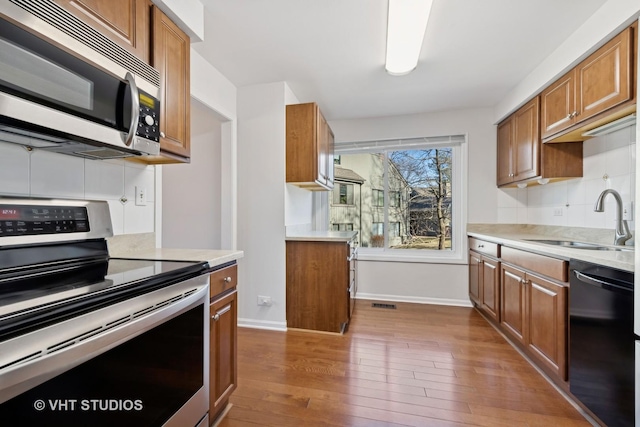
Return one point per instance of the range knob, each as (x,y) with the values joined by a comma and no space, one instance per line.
(149,120)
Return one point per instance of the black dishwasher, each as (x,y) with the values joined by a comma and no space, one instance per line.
(601,341)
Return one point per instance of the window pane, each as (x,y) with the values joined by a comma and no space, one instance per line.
(424,216)
(418,186)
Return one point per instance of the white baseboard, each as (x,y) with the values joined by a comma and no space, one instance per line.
(262,324)
(417,300)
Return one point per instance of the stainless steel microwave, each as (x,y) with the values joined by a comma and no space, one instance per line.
(65,87)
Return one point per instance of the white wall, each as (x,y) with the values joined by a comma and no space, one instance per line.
(191,193)
(420,282)
(608,162)
(610,19)
(261,204)
(42,174)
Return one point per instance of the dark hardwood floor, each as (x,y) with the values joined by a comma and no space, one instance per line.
(417,365)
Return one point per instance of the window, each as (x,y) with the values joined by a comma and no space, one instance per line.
(394,199)
(378,198)
(342,227)
(336,160)
(422,183)
(343,194)
(377,228)
(394,229)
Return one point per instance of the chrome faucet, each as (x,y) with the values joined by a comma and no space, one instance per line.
(622,228)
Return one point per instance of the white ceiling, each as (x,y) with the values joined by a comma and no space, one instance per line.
(332,51)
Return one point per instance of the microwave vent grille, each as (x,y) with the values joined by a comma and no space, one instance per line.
(64,21)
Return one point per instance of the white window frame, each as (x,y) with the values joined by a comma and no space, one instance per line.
(459,185)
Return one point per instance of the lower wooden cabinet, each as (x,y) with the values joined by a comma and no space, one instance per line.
(223,347)
(512,305)
(534,312)
(526,296)
(547,316)
(318,285)
(484,283)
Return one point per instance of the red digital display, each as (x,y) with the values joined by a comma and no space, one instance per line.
(9,214)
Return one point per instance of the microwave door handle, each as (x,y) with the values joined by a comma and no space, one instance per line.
(135,108)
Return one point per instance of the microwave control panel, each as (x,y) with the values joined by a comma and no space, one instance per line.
(23,220)
(149,120)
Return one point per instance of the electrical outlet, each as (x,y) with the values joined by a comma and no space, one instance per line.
(266,301)
(141,196)
(557,211)
(627,211)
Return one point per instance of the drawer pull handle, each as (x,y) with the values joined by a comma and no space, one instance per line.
(216,316)
(227,279)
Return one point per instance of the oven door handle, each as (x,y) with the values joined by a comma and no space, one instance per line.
(585,278)
(20,377)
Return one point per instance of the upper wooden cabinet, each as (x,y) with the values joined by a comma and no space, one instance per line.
(519,145)
(521,156)
(599,86)
(310,144)
(126,22)
(171,57)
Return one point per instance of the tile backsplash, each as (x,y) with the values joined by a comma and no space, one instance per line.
(609,161)
(43,174)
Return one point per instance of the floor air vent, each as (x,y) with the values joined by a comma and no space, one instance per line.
(380,305)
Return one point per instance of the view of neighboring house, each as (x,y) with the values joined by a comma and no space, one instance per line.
(358,201)
(423,209)
(418,212)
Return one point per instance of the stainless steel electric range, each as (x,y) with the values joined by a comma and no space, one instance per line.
(86,339)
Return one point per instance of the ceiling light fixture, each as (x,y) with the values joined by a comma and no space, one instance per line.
(406,26)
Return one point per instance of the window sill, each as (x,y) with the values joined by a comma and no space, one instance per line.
(398,255)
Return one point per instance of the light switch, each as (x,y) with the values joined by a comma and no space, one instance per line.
(141,196)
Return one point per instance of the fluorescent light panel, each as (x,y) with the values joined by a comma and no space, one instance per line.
(406,25)
(613,126)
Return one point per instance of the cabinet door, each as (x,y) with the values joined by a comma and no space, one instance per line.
(171,56)
(330,146)
(526,141)
(322,148)
(223,370)
(512,305)
(490,283)
(126,22)
(605,77)
(505,157)
(317,285)
(547,319)
(558,105)
(475,277)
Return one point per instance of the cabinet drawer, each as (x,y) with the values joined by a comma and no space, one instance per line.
(221,280)
(551,267)
(481,246)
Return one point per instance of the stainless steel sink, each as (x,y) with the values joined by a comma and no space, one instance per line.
(580,245)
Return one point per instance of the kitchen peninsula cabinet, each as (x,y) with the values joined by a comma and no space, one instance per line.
(309,148)
(319,283)
(223,369)
(523,158)
(125,22)
(602,81)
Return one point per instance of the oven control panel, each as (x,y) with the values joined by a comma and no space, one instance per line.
(24,220)
(149,121)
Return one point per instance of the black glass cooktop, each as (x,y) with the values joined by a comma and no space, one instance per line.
(45,294)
